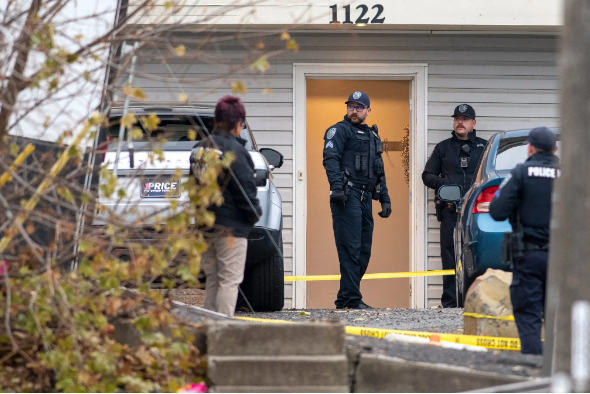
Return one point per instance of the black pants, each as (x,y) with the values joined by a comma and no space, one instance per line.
(527,294)
(353,232)
(447,255)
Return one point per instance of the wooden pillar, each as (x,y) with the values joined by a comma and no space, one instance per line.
(569,260)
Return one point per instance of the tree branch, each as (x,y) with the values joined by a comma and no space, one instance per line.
(16,83)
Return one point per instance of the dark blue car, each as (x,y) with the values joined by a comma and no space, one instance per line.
(478,237)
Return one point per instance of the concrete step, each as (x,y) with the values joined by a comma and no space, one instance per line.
(311,339)
(281,389)
(278,371)
(381,374)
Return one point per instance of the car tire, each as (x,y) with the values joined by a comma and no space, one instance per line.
(463,284)
(467,282)
(264,283)
(461,279)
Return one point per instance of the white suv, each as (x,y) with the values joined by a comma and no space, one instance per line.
(149,187)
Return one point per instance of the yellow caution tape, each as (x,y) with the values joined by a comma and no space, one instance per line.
(478,316)
(371,276)
(474,340)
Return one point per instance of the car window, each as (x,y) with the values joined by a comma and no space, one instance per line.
(246,136)
(479,168)
(514,151)
(174,129)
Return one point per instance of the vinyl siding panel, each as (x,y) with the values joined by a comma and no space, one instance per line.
(511,81)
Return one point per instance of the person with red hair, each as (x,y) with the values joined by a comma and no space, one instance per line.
(225,259)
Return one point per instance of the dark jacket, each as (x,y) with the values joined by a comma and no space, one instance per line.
(354,147)
(444,165)
(235,212)
(526,191)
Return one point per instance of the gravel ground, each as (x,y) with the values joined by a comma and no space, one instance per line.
(429,320)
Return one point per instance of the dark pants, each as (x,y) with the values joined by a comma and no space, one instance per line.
(447,255)
(527,294)
(353,232)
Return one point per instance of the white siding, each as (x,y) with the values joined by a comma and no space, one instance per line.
(510,81)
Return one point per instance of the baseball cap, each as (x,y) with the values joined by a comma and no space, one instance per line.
(464,110)
(359,97)
(542,138)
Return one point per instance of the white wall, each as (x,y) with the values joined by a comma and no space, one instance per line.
(541,15)
(510,81)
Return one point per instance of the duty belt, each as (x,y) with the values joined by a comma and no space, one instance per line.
(361,186)
(528,246)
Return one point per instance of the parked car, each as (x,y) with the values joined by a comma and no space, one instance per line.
(478,237)
(149,191)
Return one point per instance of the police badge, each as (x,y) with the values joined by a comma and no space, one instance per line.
(331,133)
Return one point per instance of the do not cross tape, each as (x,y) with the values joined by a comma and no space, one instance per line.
(473,340)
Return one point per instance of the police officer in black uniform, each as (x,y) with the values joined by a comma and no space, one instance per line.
(525,196)
(453,162)
(353,163)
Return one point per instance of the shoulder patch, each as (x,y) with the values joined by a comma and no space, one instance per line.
(331,133)
(329,145)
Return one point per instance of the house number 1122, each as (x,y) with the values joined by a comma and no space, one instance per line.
(361,19)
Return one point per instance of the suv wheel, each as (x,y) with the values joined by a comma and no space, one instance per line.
(264,283)
(461,276)
(463,282)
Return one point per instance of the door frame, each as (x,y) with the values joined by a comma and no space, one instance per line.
(417,73)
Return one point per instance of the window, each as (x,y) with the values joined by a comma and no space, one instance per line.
(174,129)
(514,151)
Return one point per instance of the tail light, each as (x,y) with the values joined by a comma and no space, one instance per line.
(482,202)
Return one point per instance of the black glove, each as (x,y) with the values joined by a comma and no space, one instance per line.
(337,196)
(385,210)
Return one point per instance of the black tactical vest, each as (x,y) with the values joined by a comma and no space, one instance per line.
(361,152)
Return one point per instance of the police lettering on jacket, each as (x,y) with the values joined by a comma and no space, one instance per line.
(543,172)
(356,148)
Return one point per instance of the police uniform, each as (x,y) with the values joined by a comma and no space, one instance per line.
(525,194)
(453,162)
(355,170)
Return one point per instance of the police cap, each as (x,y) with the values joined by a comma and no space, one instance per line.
(359,97)
(464,110)
(542,138)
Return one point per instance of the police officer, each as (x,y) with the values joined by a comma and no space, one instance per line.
(353,163)
(453,162)
(525,196)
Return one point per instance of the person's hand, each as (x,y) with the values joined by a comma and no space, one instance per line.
(385,210)
(337,196)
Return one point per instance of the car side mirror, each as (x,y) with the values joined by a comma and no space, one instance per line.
(273,158)
(450,193)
